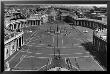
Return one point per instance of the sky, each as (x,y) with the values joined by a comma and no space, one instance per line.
(88,5)
(98,5)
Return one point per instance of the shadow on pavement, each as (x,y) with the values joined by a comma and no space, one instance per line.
(101,57)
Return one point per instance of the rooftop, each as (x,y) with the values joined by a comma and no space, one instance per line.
(103,22)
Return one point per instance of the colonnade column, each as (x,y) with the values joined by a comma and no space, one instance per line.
(80,23)
(30,23)
(17,44)
(39,22)
(75,22)
(92,25)
(35,22)
(20,25)
(84,23)
(22,41)
(11,26)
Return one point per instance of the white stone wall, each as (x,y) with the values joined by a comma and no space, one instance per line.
(7,51)
(11,47)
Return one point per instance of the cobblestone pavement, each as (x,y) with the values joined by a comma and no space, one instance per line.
(41,44)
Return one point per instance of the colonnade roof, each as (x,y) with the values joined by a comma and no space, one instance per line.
(99,21)
(22,20)
(32,19)
(17,35)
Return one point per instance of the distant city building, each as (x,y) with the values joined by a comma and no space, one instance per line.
(34,19)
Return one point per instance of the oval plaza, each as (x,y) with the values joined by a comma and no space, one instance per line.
(55,36)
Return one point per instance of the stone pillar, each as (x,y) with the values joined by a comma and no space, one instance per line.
(16,25)
(80,22)
(75,22)
(28,23)
(92,25)
(89,24)
(35,22)
(22,41)
(19,25)
(17,44)
(99,45)
(96,44)
(31,22)
(11,26)
(98,25)
(83,23)
(86,23)
(39,22)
